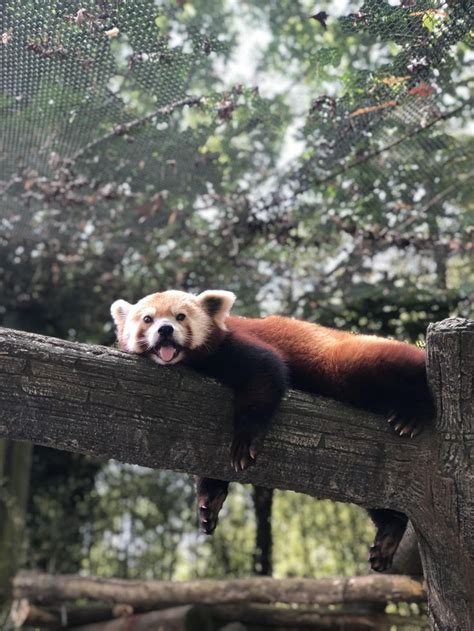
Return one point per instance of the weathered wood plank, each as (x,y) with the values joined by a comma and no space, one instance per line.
(98,401)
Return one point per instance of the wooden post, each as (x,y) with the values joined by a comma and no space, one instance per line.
(441,506)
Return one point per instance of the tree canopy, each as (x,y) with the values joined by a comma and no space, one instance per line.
(317,162)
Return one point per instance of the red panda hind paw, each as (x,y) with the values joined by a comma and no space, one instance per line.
(408,428)
(382,552)
(209,507)
(379,560)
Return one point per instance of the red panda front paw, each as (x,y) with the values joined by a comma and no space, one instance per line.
(244,450)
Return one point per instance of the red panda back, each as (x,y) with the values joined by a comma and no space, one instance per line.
(358,369)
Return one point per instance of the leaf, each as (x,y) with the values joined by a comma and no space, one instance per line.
(428,22)
(422,90)
(372,108)
(321,17)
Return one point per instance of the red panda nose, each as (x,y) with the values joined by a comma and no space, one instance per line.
(166,330)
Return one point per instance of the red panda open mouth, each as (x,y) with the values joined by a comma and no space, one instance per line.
(167,351)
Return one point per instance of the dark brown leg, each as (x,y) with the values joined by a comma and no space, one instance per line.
(390,529)
(211,495)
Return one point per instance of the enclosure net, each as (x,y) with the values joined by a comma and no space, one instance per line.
(127,126)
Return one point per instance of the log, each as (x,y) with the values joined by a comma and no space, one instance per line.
(63,615)
(265,615)
(101,402)
(185,618)
(51,588)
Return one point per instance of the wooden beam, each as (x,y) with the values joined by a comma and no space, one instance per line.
(98,401)
(442,500)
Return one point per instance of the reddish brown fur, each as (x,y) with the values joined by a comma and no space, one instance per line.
(358,369)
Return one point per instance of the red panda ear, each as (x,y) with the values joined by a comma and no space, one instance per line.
(119,311)
(217,303)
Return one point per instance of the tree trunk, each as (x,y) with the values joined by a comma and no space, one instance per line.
(15,466)
(262,558)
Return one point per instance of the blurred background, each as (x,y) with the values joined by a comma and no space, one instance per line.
(314,158)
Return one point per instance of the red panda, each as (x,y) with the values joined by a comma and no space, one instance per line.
(260,358)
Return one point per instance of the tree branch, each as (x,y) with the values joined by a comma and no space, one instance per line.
(124,128)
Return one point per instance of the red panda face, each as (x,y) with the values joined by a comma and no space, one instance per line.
(165,325)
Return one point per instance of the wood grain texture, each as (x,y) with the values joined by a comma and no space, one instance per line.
(442,510)
(98,401)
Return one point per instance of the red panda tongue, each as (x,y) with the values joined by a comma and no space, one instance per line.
(167,353)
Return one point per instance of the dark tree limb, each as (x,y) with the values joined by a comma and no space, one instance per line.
(262,557)
(98,401)
(15,465)
(125,128)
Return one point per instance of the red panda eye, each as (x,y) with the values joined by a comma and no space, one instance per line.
(180,317)
(147,319)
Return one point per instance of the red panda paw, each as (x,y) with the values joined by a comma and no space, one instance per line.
(405,425)
(379,559)
(388,537)
(210,502)
(244,450)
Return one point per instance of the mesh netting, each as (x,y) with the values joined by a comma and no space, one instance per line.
(143,133)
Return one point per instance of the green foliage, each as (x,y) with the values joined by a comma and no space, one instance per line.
(319,538)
